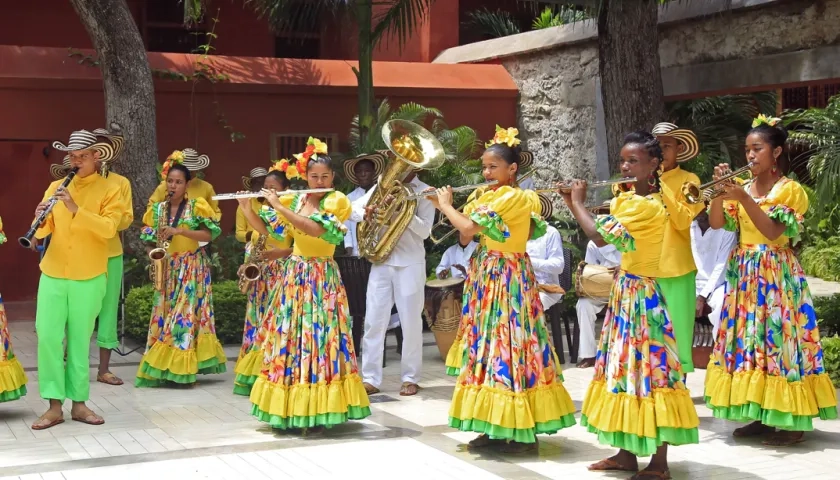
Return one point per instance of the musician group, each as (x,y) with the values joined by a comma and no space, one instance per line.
(672,257)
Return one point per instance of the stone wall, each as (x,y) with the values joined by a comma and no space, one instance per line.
(556,69)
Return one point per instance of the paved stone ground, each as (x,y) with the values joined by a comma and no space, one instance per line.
(207,432)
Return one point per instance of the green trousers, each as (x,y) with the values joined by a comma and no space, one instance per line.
(106,333)
(680,300)
(69,306)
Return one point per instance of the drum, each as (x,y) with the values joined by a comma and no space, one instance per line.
(443,310)
(594,281)
(354,275)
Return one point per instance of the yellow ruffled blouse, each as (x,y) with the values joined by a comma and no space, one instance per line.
(636,227)
(243,227)
(786,202)
(197,213)
(506,214)
(334,210)
(196,188)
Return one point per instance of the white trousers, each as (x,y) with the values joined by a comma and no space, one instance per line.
(404,286)
(587,312)
(715,302)
(548,300)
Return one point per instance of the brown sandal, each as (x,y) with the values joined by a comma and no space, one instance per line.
(38,426)
(754,429)
(109,378)
(586,363)
(408,389)
(482,441)
(370,389)
(610,465)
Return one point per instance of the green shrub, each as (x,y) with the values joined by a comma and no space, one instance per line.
(822,258)
(228,307)
(831,358)
(828,314)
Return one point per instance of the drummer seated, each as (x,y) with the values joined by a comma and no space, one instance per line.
(546,255)
(588,308)
(456,258)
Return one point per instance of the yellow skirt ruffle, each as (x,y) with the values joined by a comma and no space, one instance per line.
(12,380)
(166,362)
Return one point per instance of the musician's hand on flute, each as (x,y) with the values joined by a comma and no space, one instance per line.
(565,192)
(443,198)
(578,193)
(272,198)
(245,203)
(63,195)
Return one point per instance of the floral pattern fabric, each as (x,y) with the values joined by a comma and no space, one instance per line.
(12,376)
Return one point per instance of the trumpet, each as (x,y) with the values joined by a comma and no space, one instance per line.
(566,185)
(234,196)
(26,240)
(703,193)
(465,188)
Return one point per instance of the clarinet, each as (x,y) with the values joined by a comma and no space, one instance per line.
(26,240)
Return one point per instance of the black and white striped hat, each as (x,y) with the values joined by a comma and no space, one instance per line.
(57,171)
(108,150)
(255,173)
(193,161)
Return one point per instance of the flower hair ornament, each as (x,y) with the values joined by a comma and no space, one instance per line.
(176,157)
(506,136)
(765,120)
(297,169)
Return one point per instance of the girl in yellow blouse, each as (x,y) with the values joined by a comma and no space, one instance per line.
(637,400)
(767,366)
(249,363)
(309,377)
(509,386)
(182,333)
(12,378)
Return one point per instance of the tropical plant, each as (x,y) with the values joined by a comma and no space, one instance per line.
(394,18)
(554,17)
(721,124)
(492,23)
(818,130)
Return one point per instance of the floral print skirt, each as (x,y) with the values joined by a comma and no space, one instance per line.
(637,399)
(182,333)
(249,362)
(767,364)
(12,377)
(309,374)
(509,382)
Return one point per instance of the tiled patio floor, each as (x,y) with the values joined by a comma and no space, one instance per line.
(207,432)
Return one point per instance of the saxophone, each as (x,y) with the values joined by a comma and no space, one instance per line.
(250,271)
(158,256)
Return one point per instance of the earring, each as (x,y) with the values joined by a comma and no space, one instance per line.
(652,181)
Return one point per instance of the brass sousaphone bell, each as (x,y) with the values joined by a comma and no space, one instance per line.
(411,147)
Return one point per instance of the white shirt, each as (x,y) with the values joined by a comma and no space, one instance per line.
(607,255)
(455,255)
(546,255)
(711,251)
(409,249)
(350,237)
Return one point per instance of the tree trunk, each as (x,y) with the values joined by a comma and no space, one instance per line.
(631,81)
(364,17)
(129,96)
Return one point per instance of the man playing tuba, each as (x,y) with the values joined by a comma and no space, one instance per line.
(400,278)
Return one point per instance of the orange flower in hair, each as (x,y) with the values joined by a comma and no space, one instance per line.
(176,157)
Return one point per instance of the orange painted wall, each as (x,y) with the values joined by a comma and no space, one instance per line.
(45,95)
(53,23)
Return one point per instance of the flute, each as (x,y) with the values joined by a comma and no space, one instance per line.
(234,196)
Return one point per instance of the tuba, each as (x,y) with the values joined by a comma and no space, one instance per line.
(250,271)
(158,256)
(412,147)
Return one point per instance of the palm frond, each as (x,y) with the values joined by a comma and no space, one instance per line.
(296,15)
(399,20)
(414,112)
(818,130)
(492,24)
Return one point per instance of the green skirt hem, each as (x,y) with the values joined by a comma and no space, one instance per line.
(521,435)
(644,446)
(244,390)
(453,371)
(752,412)
(323,420)
(11,395)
